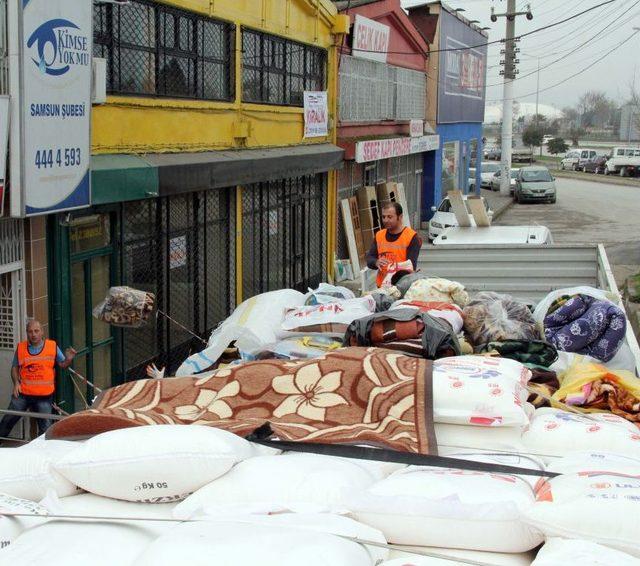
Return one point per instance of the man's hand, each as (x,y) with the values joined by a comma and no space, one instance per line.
(16,390)
(70,353)
(382,262)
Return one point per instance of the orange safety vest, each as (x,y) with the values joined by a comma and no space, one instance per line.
(396,251)
(37,373)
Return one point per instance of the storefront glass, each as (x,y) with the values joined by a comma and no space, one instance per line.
(450,166)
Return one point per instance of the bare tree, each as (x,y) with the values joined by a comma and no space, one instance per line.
(596,109)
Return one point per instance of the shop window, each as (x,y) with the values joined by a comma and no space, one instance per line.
(152,49)
(450,166)
(278,71)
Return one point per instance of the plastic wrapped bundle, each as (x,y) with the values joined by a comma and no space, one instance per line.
(125,306)
(492,317)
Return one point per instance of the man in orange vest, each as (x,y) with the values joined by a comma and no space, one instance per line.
(34,377)
(394,244)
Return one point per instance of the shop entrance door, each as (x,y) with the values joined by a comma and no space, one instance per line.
(92,273)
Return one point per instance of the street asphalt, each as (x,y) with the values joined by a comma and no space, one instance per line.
(590,212)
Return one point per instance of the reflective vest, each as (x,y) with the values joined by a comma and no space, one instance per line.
(395,252)
(37,372)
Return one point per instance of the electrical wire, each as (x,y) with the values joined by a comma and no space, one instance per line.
(588,67)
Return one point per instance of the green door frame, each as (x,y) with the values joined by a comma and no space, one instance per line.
(60,260)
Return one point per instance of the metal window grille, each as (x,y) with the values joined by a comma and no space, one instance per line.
(278,71)
(284,239)
(372,91)
(159,50)
(7,309)
(11,238)
(179,248)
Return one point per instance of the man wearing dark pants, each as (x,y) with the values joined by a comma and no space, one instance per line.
(34,377)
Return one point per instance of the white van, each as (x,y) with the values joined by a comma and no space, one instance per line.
(576,158)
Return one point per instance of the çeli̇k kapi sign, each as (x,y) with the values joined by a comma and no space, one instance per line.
(56,66)
(462,74)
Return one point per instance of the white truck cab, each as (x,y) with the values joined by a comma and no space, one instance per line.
(623,161)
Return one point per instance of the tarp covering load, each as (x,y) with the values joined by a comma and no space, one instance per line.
(125,306)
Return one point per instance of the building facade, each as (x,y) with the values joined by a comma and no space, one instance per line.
(205,190)
(382,92)
(455,98)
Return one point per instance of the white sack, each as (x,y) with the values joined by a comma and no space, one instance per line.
(12,527)
(496,438)
(338,312)
(554,432)
(27,472)
(624,359)
(595,461)
(494,558)
(450,508)
(291,481)
(278,540)
(153,463)
(252,324)
(598,506)
(480,391)
(563,552)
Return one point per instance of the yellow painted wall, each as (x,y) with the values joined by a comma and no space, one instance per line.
(154,125)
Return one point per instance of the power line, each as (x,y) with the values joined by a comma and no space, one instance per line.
(575,74)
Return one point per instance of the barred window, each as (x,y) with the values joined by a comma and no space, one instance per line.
(158,50)
(277,71)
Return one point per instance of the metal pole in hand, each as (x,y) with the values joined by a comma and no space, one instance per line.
(74,372)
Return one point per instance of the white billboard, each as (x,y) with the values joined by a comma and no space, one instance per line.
(54,101)
(370,39)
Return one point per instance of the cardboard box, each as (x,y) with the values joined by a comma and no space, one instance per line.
(370,219)
(386,192)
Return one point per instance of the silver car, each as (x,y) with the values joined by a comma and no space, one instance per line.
(535,184)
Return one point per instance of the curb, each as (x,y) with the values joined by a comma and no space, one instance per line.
(502,209)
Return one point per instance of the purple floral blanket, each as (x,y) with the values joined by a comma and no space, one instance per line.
(586,325)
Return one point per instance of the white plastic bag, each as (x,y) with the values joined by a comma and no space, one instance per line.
(156,464)
(12,527)
(480,391)
(253,324)
(326,293)
(125,306)
(449,555)
(277,540)
(449,508)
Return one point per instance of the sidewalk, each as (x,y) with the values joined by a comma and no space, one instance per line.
(498,203)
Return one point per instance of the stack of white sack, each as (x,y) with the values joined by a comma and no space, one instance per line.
(480,403)
(554,433)
(428,556)
(561,552)
(252,324)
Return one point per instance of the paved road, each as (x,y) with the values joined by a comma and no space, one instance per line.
(586,212)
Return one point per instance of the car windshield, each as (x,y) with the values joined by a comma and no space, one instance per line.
(539,176)
(490,167)
(445,206)
(514,173)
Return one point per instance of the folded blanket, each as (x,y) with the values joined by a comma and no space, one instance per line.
(353,395)
(586,325)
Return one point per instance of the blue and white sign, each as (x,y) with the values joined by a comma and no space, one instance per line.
(56,59)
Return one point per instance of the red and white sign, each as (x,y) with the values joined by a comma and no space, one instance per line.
(416,128)
(316,114)
(373,150)
(370,39)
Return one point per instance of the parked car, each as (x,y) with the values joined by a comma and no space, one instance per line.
(547,138)
(495,180)
(535,183)
(444,217)
(493,153)
(595,165)
(576,158)
(488,169)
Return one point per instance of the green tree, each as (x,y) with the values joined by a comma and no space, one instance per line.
(532,136)
(556,146)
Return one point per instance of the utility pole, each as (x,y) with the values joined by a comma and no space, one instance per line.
(509,73)
(537,99)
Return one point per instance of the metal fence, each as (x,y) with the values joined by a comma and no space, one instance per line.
(155,49)
(284,237)
(179,248)
(371,91)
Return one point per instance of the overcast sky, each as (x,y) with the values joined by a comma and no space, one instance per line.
(599,30)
